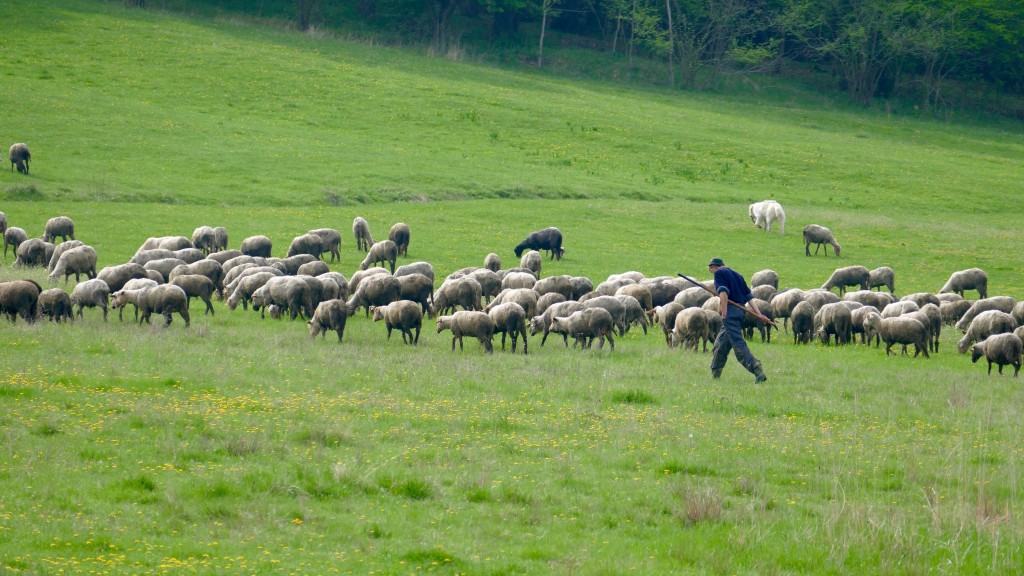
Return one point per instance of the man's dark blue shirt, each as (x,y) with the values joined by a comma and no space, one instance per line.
(734,285)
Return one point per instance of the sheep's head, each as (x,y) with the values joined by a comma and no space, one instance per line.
(977,351)
(377,312)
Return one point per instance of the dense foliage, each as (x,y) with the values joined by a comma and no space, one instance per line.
(916,50)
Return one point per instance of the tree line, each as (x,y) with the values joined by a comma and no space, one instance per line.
(910,49)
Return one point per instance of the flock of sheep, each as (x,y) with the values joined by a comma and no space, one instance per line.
(166,273)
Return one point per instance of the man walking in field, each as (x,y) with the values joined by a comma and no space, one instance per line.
(730,285)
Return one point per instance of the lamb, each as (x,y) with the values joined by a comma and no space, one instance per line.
(765,277)
(468,323)
(59,226)
(634,312)
(586,325)
(13,237)
(557,284)
(133,286)
(532,261)
(60,249)
(417,288)
(690,326)
(525,297)
(424,268)
(405,315)
(542,323)
(819,235)
(287,292)
(765,213)
(306,244)
(361,230)
(329,315)
(1000,349)
(803,322)
(77,261)
(1001,303)
(258,246)
(970,279)
(882,276)
(314,268)
(196,286)
(19,156)
(518,280)
(988,323)
(639,291)
(510,319)
(20,298)
(665,316)
(834,320)
(377,290)
(549,239)
(204,239)
(55,304)
(381,252)
(91,294)
(330,241)
(164,299)
(399,234)
(32,252)
(492,262)
(899,330)
(245,288)
(848,276)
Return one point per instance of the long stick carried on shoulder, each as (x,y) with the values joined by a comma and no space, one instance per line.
(730,300)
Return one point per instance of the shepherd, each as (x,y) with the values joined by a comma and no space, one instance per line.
(731,288)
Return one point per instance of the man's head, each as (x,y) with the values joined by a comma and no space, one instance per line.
(715,263)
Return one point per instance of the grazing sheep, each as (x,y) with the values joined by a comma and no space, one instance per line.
(131,287)
(13,237)
(59,226)
(634,276)
(899,330)
(834,320)
(220,235)
(557,284)
(339,279)
(525,297)
(547,300)
(258,246)
(662,291)
(292,263)
(492,262)
(465,292)
(1001,303)
(424,268)
(405,315)
(360,275)
(532,261)
(542,322)
(858,316)
(767,212)
(117,276)
(381,252)
(315,268)
(164,299)
(988,323)
(784,302)
(821,236)
(206,267)
(765,277)
(970,279)
(848,276)
(20,298)
(580,286)
(164,266)
(289,293)
(330,241)
(510,319)
(585,326)
(802,318)
(143,257)
(611,286)
(665,316)
(361,230)
(639,291)
(922,298)
(377,290)
(246,286)
(306,244)
(882,276)
(869,298)
(490,284)
(715,325)
(518,280)
(764,292)
(189,255)
(60,249)
(614,307)
(690,326)
(3,224)
(233,276)
(751,322)
(19,156)
(31,253)
(468,323)
(693,297)
(899,309)
(91,294)
(1000,349)
(55,304)
(549,239)
(399,234)
(930,316)
(417,288)
(196,286)
(204,239)
(77,261)
(634,312)
(166,243)
(329,315)
(318,292)
(953,311)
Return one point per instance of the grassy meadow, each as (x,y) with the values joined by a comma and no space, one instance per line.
(239,446)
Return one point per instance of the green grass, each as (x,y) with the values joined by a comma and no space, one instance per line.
(238,445)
